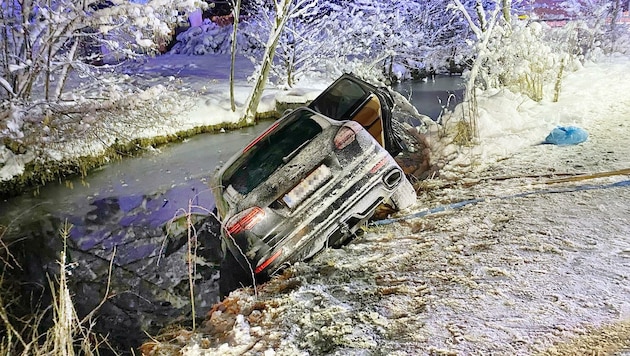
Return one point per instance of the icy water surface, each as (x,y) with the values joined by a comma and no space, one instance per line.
(434,95)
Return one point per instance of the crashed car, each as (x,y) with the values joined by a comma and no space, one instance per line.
(310,181)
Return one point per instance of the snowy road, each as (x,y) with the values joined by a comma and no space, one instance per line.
(540,273)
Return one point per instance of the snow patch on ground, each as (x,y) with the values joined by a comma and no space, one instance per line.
(12,165)
(509,123)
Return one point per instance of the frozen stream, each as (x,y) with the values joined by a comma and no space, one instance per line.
(433,95)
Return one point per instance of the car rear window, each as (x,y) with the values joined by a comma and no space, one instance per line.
(261,159)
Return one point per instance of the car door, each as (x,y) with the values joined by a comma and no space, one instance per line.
(350,98)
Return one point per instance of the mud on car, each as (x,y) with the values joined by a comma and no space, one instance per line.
(310,181)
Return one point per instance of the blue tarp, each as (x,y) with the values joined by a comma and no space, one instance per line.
(566,135)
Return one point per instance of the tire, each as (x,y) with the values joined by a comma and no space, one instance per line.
(232,275)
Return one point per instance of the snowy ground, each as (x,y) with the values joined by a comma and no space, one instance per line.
(511,275)
(535,268)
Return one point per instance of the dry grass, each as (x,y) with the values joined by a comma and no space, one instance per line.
(67,336)
(254,306)
(184,222)
(610,339)
(463,133)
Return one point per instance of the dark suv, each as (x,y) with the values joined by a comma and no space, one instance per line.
(310,181)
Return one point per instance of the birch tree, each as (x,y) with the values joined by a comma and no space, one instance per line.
(236,12)
(482,23)
(281,12)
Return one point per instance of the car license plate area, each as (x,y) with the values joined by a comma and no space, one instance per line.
(308,185)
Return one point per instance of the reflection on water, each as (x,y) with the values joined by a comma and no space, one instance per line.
(434,95)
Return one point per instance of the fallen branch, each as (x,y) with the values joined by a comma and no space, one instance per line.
(472,182)
(590,176)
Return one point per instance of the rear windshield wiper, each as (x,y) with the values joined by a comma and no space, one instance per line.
(294,153)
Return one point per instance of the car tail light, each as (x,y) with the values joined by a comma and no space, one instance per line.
(347,134)
(245,220)
(268,262)
(378,165)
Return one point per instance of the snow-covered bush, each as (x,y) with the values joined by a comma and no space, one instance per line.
(80,126)
(596,22)
(211,37)
(49,52)
(529,57)
(522,60)
(395,38)
(622,40)
(206,38)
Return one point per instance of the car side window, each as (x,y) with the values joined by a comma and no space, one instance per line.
(338,101)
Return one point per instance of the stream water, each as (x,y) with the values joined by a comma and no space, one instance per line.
(434,95)
(118,215)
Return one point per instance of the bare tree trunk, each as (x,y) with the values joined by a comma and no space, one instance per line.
(48,72)
(616,8)
(506,5)
(27,53)
(236,10)
(65,70)
(9,80)
(291,67)
(282,14)
(481,15)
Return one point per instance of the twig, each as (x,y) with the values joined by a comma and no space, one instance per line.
(107,287)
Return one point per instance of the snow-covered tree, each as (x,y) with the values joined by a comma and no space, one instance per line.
(596,22)
(42,41)
(483,19)
(302,48)
(53,88)
(277,13)
(366,37)
(373,39)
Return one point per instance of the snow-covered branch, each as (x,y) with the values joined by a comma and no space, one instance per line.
(40,39)
(473,26)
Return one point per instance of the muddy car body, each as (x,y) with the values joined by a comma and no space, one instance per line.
(311,180)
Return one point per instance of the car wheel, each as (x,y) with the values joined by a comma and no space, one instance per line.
(232,275)
(404,196)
